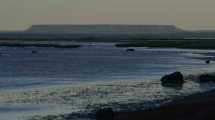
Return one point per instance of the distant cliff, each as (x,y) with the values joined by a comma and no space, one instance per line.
(105,33)
(104,29)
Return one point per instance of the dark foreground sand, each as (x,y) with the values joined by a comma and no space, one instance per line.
(194,107)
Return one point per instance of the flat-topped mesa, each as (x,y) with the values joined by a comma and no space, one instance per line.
(104,29)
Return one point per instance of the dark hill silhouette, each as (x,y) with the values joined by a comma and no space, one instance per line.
(104,29)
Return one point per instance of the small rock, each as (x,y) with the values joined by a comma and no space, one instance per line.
(34,51)
(207,61)
(130,50)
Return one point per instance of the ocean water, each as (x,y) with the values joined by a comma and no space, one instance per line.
(54,81)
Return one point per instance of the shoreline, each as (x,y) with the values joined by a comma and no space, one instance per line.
(39,45)
(198,106)
(207,44)
(189,44)
(193,107)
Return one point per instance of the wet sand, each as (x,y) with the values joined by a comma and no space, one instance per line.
(195,107)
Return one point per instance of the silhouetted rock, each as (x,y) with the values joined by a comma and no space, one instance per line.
(173,80)
(105,114)
(130,50)
(34,51)
(207,61)
(206,78)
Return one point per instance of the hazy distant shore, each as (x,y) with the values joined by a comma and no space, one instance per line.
(157,43)
(189,44)
(17,43)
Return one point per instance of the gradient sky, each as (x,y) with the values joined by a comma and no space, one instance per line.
(189,14)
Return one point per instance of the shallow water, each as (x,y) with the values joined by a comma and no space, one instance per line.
(89,76)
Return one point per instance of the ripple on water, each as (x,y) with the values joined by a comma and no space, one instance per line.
(118,94)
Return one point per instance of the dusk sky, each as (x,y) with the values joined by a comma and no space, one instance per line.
(189,14)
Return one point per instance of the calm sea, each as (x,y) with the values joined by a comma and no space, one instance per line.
(36,81)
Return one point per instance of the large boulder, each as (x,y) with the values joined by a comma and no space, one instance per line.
(105,114)
(206,78)
(173,79)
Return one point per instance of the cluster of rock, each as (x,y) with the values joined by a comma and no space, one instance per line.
(205,78)
(176,79)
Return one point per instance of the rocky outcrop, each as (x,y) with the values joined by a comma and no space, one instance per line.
(174,79)
(206,78)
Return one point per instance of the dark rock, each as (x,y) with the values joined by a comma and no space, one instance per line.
(130,50)
(34,51)
(175,79)
(105,114)
(207,61)
(206,78)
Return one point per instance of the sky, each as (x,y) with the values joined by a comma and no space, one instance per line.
(187,14)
